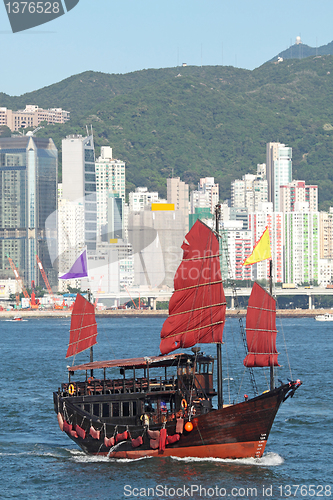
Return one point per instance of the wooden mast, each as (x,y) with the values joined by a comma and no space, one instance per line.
(91,348)
(272,383)
(219,344)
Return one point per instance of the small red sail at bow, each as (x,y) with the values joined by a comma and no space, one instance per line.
(83,331)
(197,307)
(261,329)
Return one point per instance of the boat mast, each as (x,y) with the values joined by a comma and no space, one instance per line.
(219,344)
(272,383)
(91,348)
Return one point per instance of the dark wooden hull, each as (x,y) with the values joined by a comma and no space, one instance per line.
(235,431)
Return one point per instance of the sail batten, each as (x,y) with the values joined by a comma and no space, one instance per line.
(197,306)
(261,329)
(83,330)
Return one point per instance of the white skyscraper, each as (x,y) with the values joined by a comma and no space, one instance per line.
(110,192)
(278,169)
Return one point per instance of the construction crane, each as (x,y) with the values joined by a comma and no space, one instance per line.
(46,281)
(18,279)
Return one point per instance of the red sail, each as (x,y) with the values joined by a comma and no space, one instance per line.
(197,307)
(83,331)
(261,329)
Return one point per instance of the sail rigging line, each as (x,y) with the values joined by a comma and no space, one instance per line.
(207,291)
(195,329)
(223,243)
(208,256)
(198,309)
(243,336)
(285,347)
(264,338)
(228,373)
(77,343)
(198,285)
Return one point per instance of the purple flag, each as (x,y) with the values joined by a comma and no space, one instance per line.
(79,269)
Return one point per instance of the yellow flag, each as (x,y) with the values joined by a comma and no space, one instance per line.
(261,251)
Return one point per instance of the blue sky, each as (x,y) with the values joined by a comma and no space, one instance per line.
(127,35)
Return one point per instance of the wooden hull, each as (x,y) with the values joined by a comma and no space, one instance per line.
(235,431)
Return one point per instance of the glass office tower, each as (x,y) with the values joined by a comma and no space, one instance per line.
(28,195)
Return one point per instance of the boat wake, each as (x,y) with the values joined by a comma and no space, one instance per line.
(268,460)
(81,457)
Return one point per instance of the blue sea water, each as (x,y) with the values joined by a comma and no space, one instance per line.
(38,461)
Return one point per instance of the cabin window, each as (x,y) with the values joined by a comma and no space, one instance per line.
(126,409)
(115,409)
(96,409)
(87,407)
(134,407)
(105,410)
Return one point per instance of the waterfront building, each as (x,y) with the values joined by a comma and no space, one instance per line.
(301,246)
(278,170)
(31,116)
(28,195)
(79,181)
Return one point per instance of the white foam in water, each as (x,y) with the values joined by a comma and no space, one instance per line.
(81,457)
(270,459)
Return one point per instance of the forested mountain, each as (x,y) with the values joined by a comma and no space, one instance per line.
(202,121)
(301,50)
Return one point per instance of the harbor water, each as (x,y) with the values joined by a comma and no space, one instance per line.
(38,461)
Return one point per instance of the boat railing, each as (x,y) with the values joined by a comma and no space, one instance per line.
(119,386)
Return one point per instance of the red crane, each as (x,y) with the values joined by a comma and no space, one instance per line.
(18,279)
(46,281)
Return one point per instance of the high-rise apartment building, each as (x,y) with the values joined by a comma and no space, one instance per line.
(258,222)
(32,116)
(177,193)
(278,170)
(250,191)
(110,194)
(28,195)
(207,195)
(79,181)
(301,245)
(298,192)
(141,198)
(70,238)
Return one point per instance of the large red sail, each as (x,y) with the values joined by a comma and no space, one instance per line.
(83,331)
(261,329)
(197,306)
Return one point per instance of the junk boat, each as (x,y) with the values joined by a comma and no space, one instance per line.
(143,413)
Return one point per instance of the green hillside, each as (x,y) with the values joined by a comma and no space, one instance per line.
(197,122)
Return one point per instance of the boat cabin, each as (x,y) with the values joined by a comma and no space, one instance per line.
(161,387)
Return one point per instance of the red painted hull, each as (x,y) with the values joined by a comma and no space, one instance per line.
(230,450)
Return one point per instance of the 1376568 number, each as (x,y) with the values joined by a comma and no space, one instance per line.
(33,7)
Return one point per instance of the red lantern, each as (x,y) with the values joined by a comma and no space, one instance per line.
(188,426)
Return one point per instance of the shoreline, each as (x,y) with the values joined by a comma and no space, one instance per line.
(134,313)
